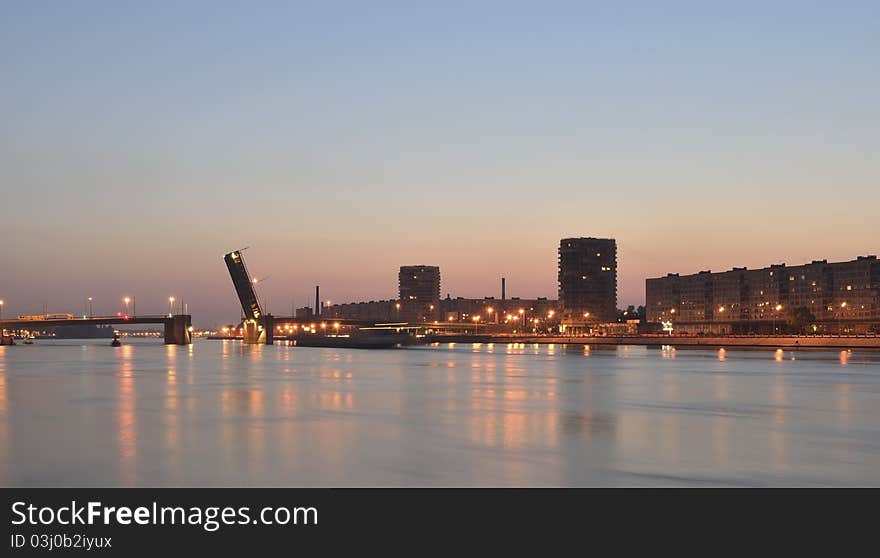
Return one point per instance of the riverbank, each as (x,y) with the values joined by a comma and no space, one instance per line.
(745,341)
(714,342)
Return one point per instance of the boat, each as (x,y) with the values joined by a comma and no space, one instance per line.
(356,340)
(116,342)
(29,340)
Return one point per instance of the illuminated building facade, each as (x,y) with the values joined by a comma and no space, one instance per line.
(372,311)
(842,297)
(498,311)
(588,279)
(419,293)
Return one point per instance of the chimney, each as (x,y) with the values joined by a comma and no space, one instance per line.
(317,300)
(503,288)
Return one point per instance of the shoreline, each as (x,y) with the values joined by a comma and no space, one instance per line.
(713,342)
(708,342)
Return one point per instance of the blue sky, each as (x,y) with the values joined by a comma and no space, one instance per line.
(343,139)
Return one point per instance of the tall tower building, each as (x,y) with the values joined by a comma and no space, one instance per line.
(419,287)
(588,279)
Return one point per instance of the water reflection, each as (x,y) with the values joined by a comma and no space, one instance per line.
(172,409)
(4,409)
(219,413)
(126,417)
(585,426)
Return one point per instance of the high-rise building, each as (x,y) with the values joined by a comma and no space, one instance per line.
(419,287)
(588,279)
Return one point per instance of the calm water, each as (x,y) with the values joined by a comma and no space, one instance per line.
(221,414)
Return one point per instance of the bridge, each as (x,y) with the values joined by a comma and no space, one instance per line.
(262,328)
(178,328)
(258,327)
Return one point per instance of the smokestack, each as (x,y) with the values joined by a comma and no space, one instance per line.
(503,290)
(317,300)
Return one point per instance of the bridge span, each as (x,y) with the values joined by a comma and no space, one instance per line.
(178,328)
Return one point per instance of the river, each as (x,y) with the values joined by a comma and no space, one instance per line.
(217,413)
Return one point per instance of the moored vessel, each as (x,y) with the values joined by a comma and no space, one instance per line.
(355,340)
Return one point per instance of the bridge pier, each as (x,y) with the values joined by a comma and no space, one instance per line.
(178,330)
(259,332)
(250,332)
(269,329)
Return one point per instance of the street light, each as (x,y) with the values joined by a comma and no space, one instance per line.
(170,306)
(1,309)
(840,320)
(90,307)
(776,316)
(126,300)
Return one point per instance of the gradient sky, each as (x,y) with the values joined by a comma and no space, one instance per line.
(141,141)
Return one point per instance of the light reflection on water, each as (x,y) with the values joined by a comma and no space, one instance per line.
(485,414)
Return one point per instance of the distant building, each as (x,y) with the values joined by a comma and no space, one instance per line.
(372,311)
(491,310)
(588,279)
(304,313)
(419,288)
(842,297)
(79,331)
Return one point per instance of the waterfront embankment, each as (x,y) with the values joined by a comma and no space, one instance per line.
(744,341)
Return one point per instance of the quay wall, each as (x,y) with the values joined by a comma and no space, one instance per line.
(783,342)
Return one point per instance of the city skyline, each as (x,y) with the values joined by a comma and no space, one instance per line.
(173,304)
(343,142)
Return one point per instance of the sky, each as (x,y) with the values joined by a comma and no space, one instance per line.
(140,141)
